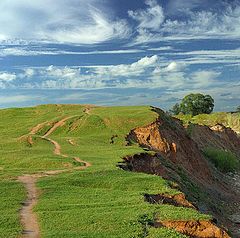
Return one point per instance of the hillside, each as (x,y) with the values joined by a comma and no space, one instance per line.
(87,171)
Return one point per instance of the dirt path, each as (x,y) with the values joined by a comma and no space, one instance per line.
(56,125)
(36,128)
(57,147)
(28,217)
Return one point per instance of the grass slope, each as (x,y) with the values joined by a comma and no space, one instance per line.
(102,201)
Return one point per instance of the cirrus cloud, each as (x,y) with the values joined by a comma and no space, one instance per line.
(154,25)
(88,24)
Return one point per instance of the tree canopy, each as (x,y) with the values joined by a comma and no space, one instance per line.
(194,104)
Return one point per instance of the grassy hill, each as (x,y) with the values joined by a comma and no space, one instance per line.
(100,201)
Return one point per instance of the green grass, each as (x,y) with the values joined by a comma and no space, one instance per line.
(164,233)
(225,161)
(102,201)
(12,194)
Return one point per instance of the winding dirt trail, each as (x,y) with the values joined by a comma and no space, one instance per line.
(56,125)
(28,217)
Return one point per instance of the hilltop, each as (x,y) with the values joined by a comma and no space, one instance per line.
(88,171)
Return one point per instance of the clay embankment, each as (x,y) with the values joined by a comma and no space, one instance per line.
(194,229)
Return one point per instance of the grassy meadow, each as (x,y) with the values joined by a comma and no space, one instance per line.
(101,201)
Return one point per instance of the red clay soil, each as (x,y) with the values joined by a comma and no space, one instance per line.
(195,229)
(175,145)
(178,200)
(28,218)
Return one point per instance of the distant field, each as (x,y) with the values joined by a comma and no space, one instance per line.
(101,201)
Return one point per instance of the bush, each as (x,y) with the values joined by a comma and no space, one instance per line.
(223,160)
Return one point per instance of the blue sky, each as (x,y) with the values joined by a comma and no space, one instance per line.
(119,52)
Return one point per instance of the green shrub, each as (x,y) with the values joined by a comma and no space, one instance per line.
(225,161)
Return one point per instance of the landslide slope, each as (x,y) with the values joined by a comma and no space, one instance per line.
(181,151)
(104,200)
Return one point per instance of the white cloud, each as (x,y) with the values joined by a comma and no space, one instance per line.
(180,80)
(192,24)
(163,48)
(171,67)
(89,78)
(170,77)
(204,78)
(150,18)
(98,52)
(99,30)
(147,72)
(29,72)
(227,57)
(124,70)
(28,51)
(176,6)
(4,76)
(206,24)
(83,22)
(15,99)
(17,51)
(66,72)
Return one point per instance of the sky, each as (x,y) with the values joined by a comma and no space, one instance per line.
(119,52)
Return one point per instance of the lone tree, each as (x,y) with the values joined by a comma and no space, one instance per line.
(194,104)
